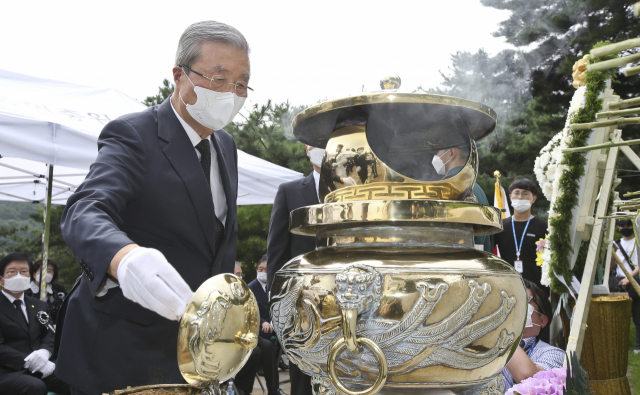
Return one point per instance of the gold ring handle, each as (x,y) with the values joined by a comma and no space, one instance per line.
(382,365)
(349,323)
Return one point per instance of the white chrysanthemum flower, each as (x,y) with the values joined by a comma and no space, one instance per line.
(547,190)
(544,159)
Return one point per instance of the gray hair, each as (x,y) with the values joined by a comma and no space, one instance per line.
(238,265)
(189,46)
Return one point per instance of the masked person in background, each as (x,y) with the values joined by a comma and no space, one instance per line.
(448,163)
(627,252)
(26,340)
(517,241)
(154,218)
(55,291)
(533,354)
(283,245)
(269,355)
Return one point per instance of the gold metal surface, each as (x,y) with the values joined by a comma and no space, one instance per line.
(218,330)
(391,81)
(340,346)
(312,219)
(349,155)
(314,125)
(395,298)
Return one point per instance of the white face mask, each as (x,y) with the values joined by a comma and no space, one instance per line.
(262,277)
(47,278)
(438,164)
(17,283)
(213,110)
(530,311)
(521,205)
(316,155)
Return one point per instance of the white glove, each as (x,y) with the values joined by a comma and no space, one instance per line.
(348,181)
(358,168)
(48,369)
(36,360)
(147,278)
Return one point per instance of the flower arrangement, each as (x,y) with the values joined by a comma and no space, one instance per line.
(552,382)
(540,250)
(559,174)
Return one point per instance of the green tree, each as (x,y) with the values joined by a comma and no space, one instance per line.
(552,36)
(164,91)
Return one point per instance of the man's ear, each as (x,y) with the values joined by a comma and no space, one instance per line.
(534,199)
(177,73)
(454,153)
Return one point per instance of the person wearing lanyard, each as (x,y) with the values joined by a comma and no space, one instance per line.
(533,354)
(517,241)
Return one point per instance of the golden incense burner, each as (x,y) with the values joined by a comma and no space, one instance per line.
(395,298)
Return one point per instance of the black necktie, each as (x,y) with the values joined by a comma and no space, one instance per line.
(204,147)
(18,304)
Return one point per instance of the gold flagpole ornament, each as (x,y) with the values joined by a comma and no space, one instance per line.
(395,298)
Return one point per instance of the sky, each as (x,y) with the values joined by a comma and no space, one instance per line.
(301,51)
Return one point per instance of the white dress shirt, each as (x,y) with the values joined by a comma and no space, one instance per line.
(217,191)
(316,178)
(628,246)
(23,306)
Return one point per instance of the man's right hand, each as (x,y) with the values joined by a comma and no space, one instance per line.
(147,278)
(266,327)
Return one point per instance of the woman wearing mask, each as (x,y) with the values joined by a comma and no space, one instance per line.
(533,354)
(55,291)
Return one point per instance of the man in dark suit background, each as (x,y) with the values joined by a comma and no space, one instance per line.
(26,341)
(154,218)
(283,245)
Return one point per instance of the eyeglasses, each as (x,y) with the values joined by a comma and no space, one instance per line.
(220,83)
(523,194)
(13,272)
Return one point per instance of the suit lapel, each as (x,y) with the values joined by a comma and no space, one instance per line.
(180,152)
(309,192)
(8,309)
(226,185)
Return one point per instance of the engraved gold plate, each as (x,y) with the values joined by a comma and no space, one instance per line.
(218,330)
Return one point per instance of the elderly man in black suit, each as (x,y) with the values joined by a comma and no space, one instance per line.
(26,339)
(154,218)
(282,245)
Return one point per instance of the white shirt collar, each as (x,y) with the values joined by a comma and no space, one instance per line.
(36,288)
(194,137)
(11,298)
(316,178)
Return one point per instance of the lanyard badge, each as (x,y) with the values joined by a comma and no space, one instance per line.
(518,263)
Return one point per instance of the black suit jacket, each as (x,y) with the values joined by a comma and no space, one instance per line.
(263,301)
(283,245)
(146,187)
(17,340)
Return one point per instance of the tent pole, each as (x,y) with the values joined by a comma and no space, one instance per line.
(45,237)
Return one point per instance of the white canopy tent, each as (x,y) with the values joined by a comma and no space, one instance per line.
(57,123)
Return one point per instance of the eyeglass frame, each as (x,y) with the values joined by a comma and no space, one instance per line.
(524,194)
(235,85)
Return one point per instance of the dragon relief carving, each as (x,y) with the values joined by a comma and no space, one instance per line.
(207,328)
(408,344)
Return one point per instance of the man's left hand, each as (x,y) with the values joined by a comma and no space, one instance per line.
(624,282)
(266,327)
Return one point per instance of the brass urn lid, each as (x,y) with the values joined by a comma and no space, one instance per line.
(218,331)
(314,125)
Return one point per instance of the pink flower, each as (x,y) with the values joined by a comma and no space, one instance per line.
(546,382)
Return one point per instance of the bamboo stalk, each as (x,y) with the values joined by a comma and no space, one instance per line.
(611,122)
(617,62)
(636,9)
(601,146)
(631,194)
(630,207)
(622,113)
(632,280)
(614,48)
(625,103)
(631,71)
